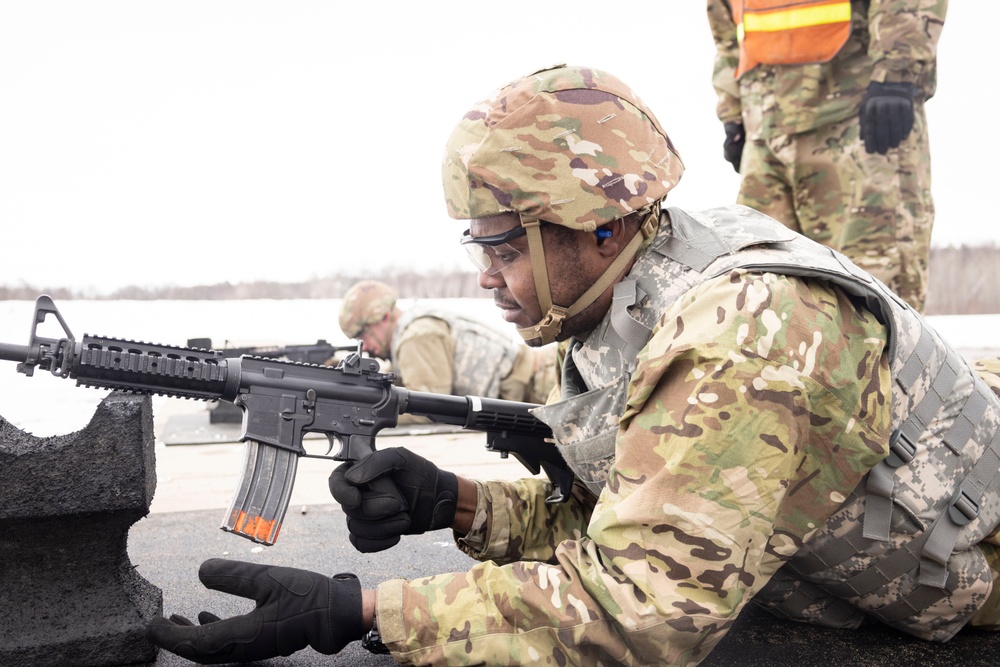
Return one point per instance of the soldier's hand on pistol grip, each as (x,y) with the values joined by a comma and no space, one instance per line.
(295,608)
(393,492)
(732,147)
(886,115)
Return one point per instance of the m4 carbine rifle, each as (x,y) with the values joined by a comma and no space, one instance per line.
(281,402)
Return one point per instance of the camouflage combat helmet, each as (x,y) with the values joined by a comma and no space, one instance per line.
(365,303)
(572,146)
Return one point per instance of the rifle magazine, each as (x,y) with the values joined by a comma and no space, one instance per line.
(261,500)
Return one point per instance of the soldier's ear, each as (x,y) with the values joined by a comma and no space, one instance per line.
(611,238)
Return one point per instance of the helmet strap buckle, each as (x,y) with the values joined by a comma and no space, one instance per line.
(551,324)
(651,222)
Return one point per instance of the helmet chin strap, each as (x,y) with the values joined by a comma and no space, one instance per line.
(549,327)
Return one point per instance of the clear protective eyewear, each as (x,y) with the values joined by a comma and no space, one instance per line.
(492,254)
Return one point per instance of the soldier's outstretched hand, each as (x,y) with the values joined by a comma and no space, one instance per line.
(295,608)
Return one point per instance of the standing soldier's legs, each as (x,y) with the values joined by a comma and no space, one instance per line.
(898,188)
(765,184)
(829,186)
(878,207)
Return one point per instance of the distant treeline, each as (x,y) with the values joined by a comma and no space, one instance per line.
(965,280)
(442,285)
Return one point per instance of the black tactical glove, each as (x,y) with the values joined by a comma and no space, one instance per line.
(393,492)
(732,148)
(886,115)
(295,608)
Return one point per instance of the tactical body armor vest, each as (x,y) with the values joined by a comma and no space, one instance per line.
(483,356)
(902,547)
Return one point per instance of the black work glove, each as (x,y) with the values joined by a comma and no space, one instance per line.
(732,148)
(393,492)
(886,115)
(295,608)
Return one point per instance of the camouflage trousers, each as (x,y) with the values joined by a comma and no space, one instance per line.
(876,209)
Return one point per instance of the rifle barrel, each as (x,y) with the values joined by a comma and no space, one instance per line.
(12,352)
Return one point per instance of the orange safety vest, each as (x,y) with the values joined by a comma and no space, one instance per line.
(789,32)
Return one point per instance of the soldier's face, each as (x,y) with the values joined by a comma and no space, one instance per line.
(570,262)
(376,338)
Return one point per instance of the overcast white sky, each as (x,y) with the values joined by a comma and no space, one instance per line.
(186,142)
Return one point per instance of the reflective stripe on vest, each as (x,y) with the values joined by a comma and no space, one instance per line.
(779,32)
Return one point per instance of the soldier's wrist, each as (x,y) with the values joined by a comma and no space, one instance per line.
(372,639)
(465,506)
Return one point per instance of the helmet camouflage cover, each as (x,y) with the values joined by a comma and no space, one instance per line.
(568,145)
(365,303)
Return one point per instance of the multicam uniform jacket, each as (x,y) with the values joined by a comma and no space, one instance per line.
(717,422)
(804,162)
